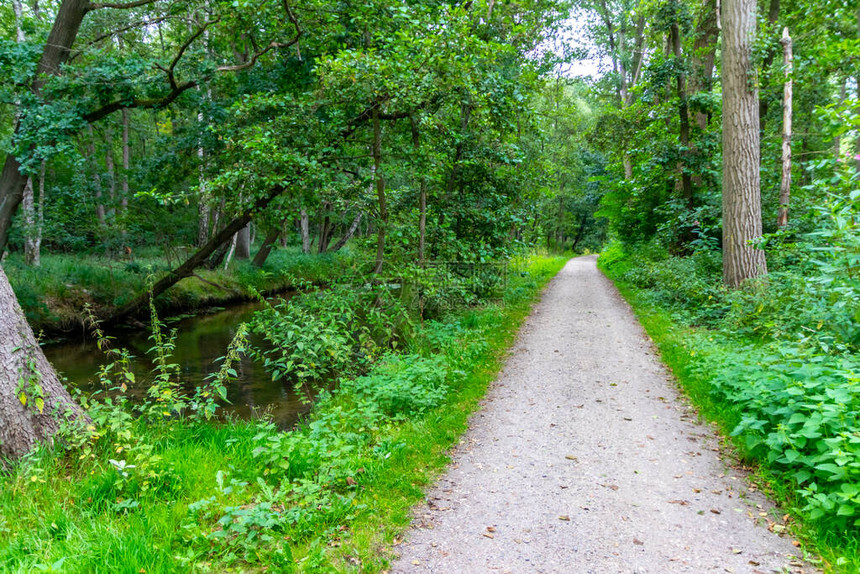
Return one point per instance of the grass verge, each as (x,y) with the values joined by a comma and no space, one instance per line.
(166,493)
(703,360)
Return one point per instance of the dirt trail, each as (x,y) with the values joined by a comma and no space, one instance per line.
(583,459)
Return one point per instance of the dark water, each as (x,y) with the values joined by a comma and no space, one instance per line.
(200,341)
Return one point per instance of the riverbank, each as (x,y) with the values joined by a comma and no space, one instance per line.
(54,295)
(161,493)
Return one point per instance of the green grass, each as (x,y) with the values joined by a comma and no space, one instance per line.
(700,358)
(53,296)
(331,495)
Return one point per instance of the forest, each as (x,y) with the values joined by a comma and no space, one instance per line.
(389,185)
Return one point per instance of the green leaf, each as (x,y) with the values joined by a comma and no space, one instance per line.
(23,398)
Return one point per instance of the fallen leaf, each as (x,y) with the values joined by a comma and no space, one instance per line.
(638,542)
(571,457)
(795,543)
(488,535)
(350,481)
(681,502)
(416,563)
(564,517)
(491,529)
(716,511)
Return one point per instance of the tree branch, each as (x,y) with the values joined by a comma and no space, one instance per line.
(119,6)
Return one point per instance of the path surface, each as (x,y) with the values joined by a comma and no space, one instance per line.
(583,459)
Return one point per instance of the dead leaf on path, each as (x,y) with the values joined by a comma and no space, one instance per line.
(638,542)
(571,457)
(564,517)
(754,563)
(563,486)
(681,502)
(487,535)
(491,529)
(416,563)
(795,543)
(716,511)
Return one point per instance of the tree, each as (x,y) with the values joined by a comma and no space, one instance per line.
(33,401)
(741,153)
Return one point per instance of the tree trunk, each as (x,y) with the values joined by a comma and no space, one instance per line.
(741,153)
(243,243)
(110,166)
(785,184)
(380,191)
(683,116)
(32,398)
(266,247)
(704,56)
(97,178)
(57,47)
(306,235)
(763,104)
(126,157)
(348,235)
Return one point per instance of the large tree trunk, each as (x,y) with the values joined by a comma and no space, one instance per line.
(785,184)
(741,153)
(69,17)
(32,399)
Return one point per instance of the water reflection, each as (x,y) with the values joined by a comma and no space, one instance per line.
(200,341)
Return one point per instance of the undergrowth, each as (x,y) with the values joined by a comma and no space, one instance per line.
(162,486)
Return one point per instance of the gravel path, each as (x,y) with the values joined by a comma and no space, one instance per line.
(583,459)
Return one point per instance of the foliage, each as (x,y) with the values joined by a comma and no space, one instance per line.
(164,486)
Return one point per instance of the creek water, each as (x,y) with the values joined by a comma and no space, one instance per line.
(200,341)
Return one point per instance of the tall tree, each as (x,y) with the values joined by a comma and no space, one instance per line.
(741,152)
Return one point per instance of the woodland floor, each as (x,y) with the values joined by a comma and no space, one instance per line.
(585,459)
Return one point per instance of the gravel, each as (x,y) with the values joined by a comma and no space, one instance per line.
(584,459)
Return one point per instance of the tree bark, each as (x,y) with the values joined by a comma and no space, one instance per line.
(741,152)
(422,192)
(785,183)
(32,398)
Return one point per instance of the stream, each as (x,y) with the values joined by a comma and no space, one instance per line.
(200,341)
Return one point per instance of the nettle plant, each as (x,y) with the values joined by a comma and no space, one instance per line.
(323,333)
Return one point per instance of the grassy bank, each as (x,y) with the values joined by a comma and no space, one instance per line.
(789,405)
(165,493)
(53,296)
